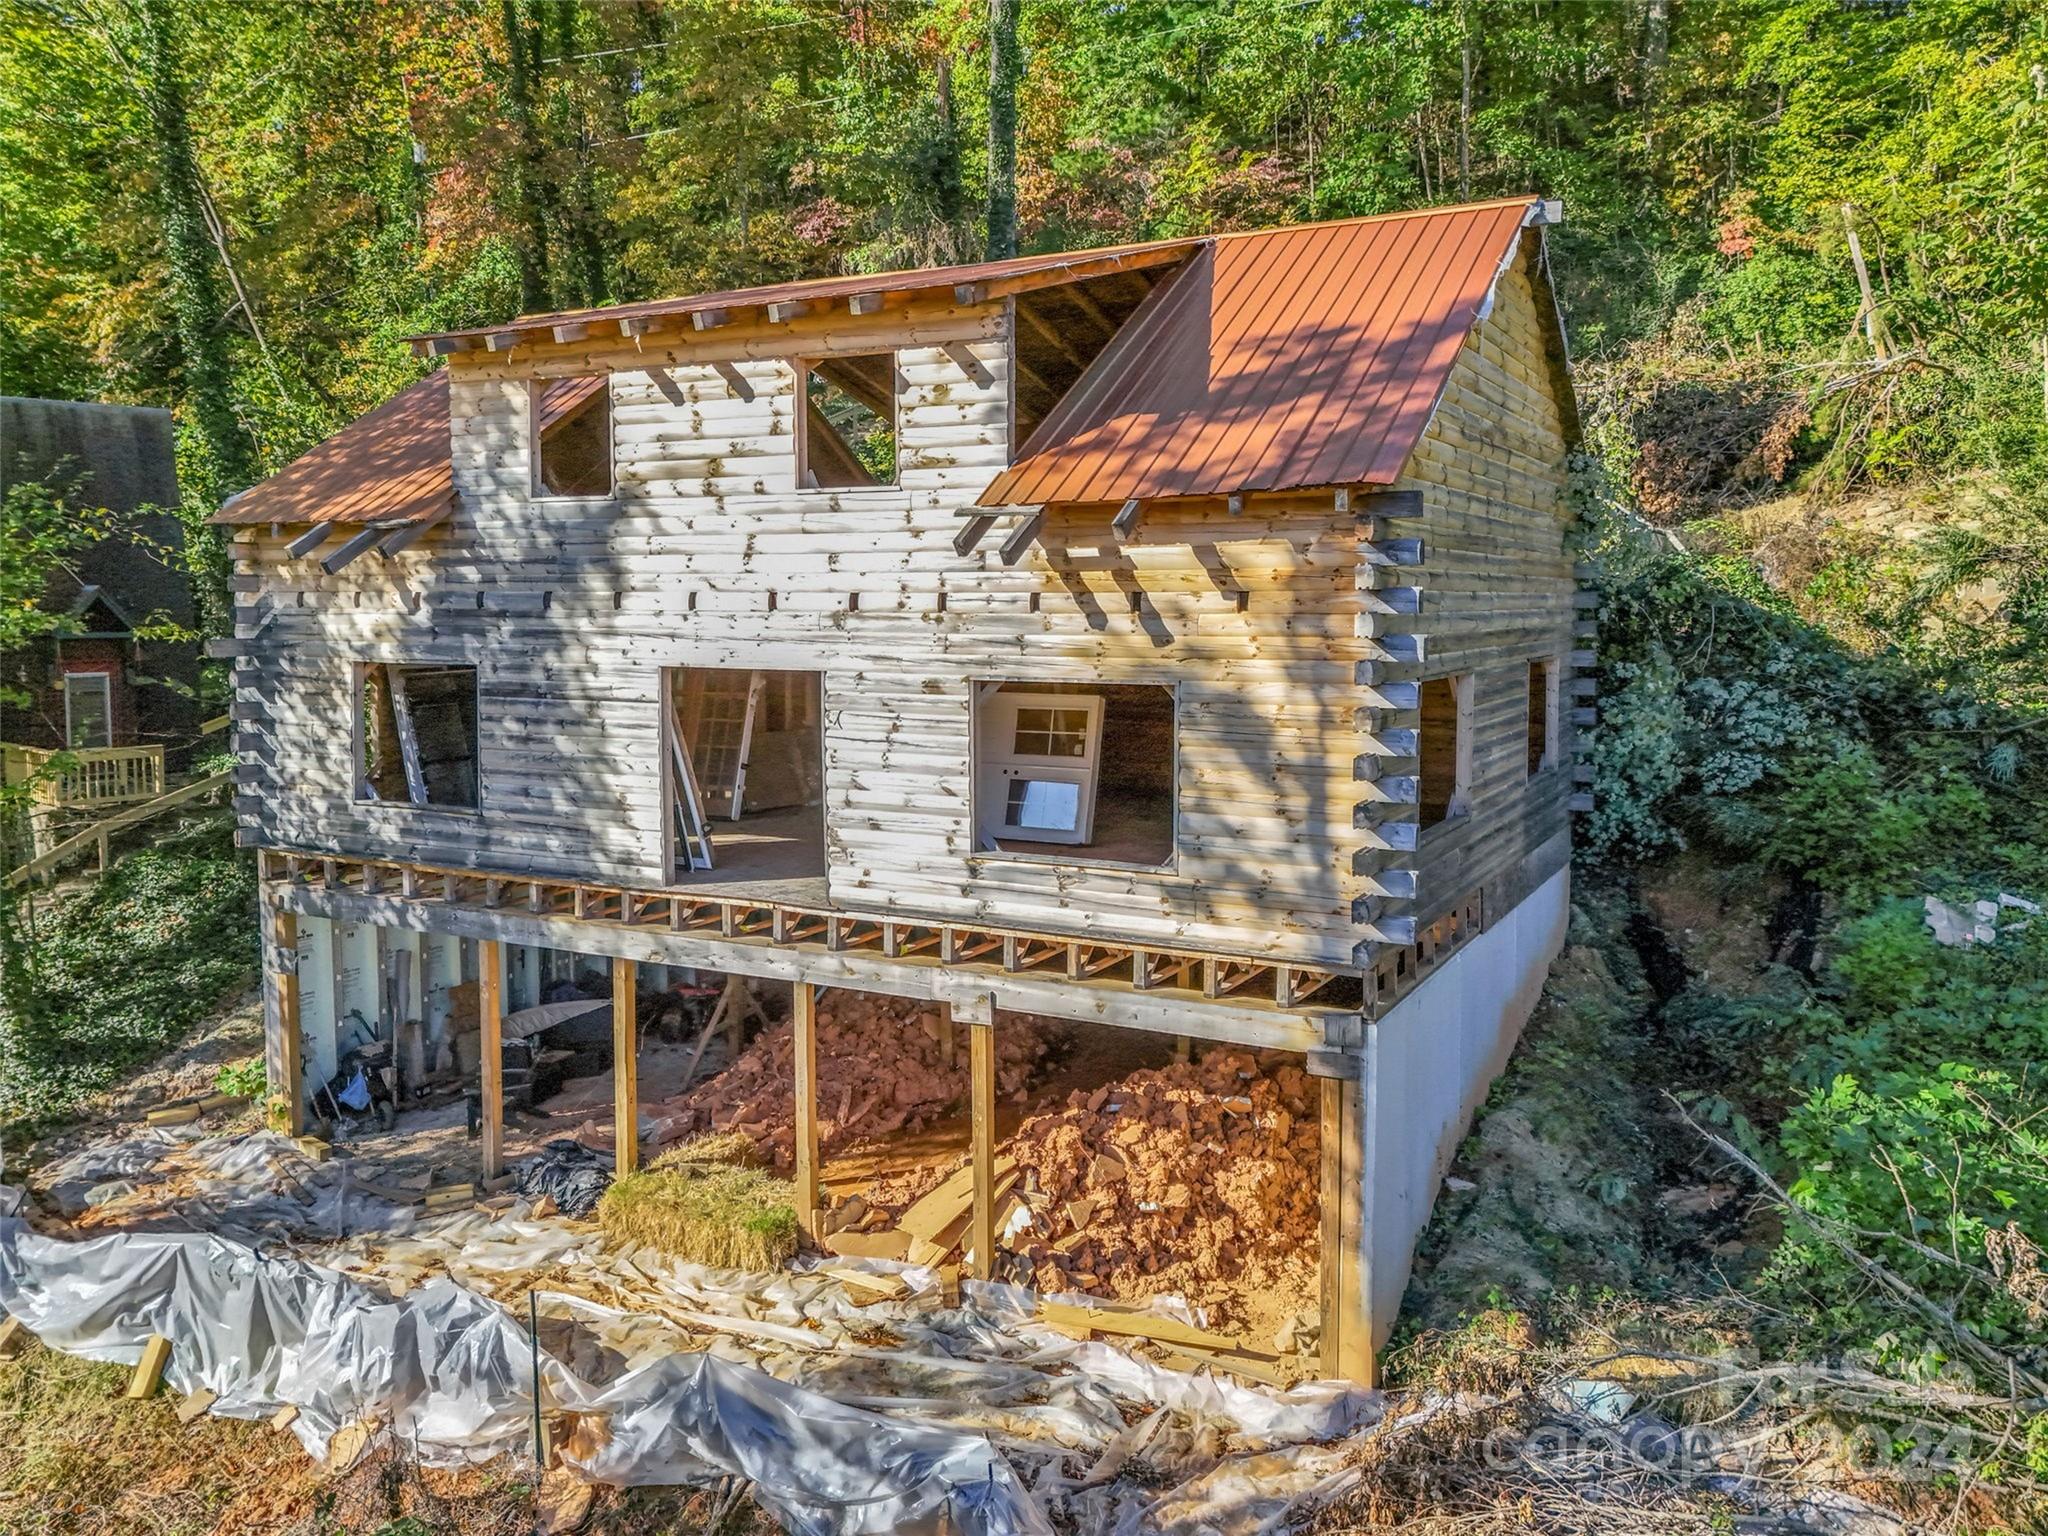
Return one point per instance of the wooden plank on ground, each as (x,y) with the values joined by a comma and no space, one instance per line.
(952,1200)
(1144,1325)
(149,1370)
(194,1404)
(889,1243)
(13,1337)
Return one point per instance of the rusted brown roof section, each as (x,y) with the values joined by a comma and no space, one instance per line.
(989,279)
(390,466)
(1276,360)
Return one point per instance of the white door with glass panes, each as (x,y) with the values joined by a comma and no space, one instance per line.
(88,710)
(1041,753)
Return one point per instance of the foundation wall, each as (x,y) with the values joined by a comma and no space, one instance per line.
(1428,1064)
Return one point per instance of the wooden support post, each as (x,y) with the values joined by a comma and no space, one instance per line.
(949,1037)
(804,1026)
(291,1042)
(1347,1350)
(625,1065)
(981,1097)
(1183,1048)
(490,960)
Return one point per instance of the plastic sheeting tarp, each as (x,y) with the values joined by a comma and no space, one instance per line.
(449,1373)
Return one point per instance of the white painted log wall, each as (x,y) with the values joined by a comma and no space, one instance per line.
(708,556)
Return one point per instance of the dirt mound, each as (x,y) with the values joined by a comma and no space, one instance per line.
(883,1067)
(1200,1178)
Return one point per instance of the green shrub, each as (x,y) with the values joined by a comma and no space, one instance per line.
(1928,1167)
(244,1079)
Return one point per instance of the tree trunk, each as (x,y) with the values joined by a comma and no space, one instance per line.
(196,296)
(1465,110)
(529,196)
(1003,71)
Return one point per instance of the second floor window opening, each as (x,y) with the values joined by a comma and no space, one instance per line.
(1445,780)
(572,436)
(849,429)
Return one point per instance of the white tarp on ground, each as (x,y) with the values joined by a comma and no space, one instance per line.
(697,1368)
(449,1374)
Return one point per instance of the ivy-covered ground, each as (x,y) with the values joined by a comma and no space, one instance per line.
(114,971)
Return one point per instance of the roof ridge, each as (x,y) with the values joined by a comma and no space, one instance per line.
(1433,211)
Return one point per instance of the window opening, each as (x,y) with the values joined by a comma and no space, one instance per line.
(1445,759)
(88,710)
(572,435)
(1089,768)
(849,431)
(416,735)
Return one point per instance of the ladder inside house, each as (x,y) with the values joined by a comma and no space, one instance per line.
(693,828)
(717,722)
(408,738)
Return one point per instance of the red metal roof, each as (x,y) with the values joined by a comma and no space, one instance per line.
(1276,359)
(1270,360)
(390,466)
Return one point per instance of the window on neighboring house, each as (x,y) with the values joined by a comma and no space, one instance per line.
(88,710)
(1445,748)
(572,436)
(1542,715)
(416,735)
(1088,768)
(848,437)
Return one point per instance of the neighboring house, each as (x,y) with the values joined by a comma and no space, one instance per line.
(1177,637)
(91,684)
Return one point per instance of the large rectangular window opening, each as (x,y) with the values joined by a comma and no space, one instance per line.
(848,437)
(572,436)
(1542,715)
(416,735)
(1076,769)
(1443,784)
(744,762)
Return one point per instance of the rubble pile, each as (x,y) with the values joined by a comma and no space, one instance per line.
(1200,1178)
(883,1067)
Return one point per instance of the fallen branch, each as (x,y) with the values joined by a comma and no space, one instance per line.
(1992,1359)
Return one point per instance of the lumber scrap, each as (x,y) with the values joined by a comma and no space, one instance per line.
(192,1407)
(13,1337)
(149,1370)
(1145,1325)
(889,1243)
(947,1203)
(867,1287)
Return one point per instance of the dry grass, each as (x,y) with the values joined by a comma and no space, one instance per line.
(78,1459)
(702,1202)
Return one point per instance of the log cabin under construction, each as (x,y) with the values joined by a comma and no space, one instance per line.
(1178,637)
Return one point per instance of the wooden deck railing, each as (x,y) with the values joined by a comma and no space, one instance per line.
(91,777)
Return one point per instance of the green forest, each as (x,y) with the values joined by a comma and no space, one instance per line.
(1804,273)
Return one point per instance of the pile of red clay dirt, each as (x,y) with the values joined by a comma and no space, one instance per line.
(1200,1178)
(883,1067)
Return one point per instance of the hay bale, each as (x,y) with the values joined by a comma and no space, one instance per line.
(727,1217)
(714,1149)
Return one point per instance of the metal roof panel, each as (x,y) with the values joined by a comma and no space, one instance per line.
(1284,358)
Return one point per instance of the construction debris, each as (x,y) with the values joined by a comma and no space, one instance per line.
(1199,1178)
(884,1066)
(570,1175)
